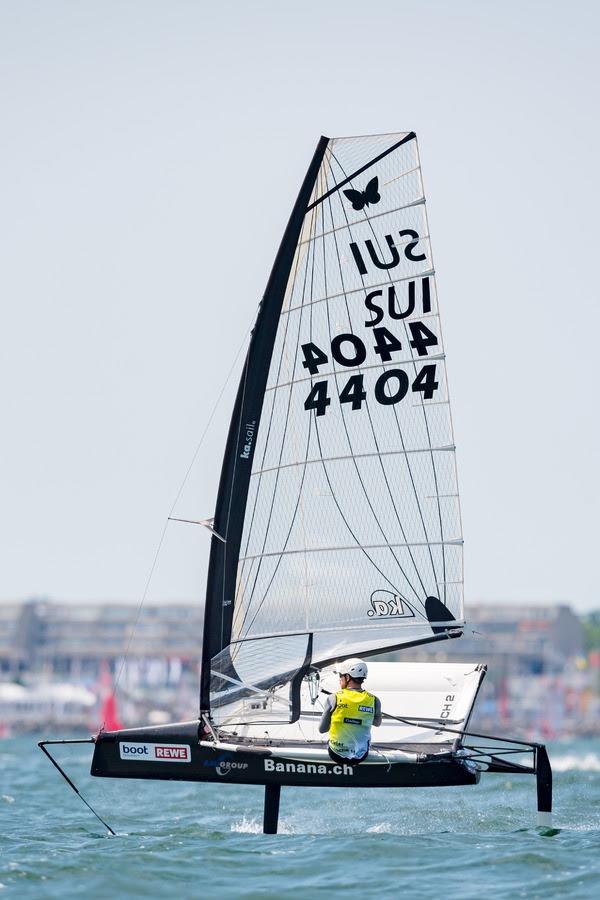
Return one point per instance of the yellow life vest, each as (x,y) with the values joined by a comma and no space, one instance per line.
(351,721)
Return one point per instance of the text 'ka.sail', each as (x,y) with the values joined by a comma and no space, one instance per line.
(338,499)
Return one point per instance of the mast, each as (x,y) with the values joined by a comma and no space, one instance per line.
(242,437)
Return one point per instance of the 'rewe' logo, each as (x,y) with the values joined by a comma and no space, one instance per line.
(178,753)
(171,752)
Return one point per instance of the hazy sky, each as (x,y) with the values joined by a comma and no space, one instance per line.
(150,154)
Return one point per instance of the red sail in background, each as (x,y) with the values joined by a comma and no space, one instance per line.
(109,717)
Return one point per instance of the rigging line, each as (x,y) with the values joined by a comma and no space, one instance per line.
(410,472)
(463,732)
(174,504)
(271,415)
(326,473)
(243,577)
(302,731)
(409,137)
(375,441)
(359,546)
(285,429)
(43,744)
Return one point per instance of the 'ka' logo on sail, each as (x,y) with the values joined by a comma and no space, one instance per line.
(247,439)
(384,604)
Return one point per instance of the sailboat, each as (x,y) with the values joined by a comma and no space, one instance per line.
(337,529)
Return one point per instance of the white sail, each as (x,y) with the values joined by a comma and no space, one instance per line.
(352,519)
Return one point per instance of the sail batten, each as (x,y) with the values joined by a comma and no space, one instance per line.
(382,284)
(308,462)
(347,535)
(450,625)
(339,549)
(344,225)
(350,369)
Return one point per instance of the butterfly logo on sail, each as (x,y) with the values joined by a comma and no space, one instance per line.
(360,199)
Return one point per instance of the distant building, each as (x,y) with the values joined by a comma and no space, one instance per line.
(74,641)
(537,681)
(519,639)
(15,638)
(512,639)
(531,654)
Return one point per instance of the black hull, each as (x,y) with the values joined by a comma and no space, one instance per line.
(127,754)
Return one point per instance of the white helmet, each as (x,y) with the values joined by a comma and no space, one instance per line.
(355,668)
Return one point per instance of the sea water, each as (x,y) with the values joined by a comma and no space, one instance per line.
(193,840)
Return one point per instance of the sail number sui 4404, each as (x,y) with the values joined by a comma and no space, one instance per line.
(392,385)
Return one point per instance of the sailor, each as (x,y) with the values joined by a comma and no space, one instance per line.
(349,715)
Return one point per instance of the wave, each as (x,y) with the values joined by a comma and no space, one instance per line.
(572,762)
(254,826)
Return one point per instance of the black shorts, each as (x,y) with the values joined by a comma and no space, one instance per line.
(350,761)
